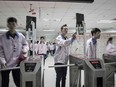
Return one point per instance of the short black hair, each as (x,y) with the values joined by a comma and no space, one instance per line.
(11,19)
(94,30)
(65,25)
(109,39)
(37,41)
(42,37)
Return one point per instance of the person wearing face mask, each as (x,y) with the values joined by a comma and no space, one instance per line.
(61,55)
(13,49)
(110,49)
(91,43)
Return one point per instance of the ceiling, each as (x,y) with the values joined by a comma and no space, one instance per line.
(52,15)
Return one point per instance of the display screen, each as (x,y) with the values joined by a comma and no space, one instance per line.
(29,67)
(96,64)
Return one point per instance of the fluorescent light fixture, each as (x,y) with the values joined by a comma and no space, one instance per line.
(45,19)
(110,31)
(56,20)
(106,21)
(71,31)
(48,30)
(49,34)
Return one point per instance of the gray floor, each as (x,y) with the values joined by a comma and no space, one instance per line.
(49,75)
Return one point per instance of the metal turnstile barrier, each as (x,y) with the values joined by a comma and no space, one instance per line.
(75,71)
(110,65)
(32,73)
(94,72)
(109,58)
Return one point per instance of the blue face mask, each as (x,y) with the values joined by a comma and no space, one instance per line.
(94,41)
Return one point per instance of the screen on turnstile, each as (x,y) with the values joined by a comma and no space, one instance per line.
(29,67)
(96,64)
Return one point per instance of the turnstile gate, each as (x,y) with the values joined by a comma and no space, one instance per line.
(94,72)
(30,74)
(110,65)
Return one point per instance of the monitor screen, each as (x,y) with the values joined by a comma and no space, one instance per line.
(29,67)
(96,64)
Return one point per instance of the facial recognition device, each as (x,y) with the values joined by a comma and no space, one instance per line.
(31,74)
(80,23)
(30,27)
(31,31)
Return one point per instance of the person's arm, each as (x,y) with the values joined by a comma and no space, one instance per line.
(88,50)
(25,46)
(112,48)
(2,55)
(61,42)
(24,51)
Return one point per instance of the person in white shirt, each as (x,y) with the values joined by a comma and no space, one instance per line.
(51,48)
(54,48)
(48,48)
(31,48)
(36,47)
(42,47)
(91,43)
(13,49)
(61,55)
(110,49)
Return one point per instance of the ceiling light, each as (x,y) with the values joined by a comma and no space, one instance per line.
(49,34)
(106,21)
(45,19)
(48,30)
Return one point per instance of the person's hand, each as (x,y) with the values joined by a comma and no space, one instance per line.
(74,35)
(22,56)
(23,52)
(3,65)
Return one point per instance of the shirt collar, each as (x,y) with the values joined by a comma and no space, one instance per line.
(94,41)
(8,34)
(63,37)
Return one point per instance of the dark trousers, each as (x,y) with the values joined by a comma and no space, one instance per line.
(51,52)
(31,52)
(5,77)
(60,75)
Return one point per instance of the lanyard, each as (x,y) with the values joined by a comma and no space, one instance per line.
(14,44)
